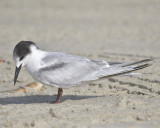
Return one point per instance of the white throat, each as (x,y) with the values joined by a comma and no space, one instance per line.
(33,60)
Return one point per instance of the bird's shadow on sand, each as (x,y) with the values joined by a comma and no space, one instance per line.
(40,99)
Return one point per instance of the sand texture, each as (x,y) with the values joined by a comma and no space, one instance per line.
(111,30)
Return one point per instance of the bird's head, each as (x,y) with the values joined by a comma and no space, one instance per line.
(21,55)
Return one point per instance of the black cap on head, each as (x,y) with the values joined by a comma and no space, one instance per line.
(23,48)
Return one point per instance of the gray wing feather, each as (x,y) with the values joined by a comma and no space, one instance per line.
(66,70)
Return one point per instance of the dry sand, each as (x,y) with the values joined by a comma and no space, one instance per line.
(111,30)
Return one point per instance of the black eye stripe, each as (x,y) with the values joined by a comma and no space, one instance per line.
(21,58)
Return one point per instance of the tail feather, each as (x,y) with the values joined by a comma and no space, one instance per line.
(124,68)
(138,62)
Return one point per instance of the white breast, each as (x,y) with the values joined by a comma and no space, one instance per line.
(34,62)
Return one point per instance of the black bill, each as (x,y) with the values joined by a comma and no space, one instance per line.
(16,73)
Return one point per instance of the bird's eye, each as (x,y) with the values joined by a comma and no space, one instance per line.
(21,58)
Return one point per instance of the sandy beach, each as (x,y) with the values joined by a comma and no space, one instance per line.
(114,31)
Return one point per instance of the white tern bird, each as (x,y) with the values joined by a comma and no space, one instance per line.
(64,70)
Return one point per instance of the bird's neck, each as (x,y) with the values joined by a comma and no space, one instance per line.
(34,60)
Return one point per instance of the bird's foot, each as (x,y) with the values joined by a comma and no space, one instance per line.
(55,102)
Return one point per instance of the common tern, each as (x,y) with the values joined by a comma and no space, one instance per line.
(65,70)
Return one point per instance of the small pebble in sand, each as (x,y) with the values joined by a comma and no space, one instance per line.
(29,87)
(100,86)
(141,118)
(1,61)
(21,89)
(32,123)
(51,112)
